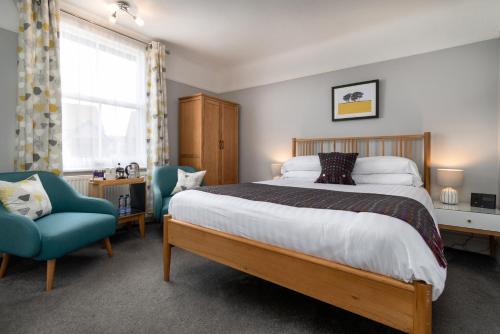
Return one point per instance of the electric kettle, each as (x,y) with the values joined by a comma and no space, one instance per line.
(132,170)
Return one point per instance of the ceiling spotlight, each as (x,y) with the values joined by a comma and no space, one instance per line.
(124,6)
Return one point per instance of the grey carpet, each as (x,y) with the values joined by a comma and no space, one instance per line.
(126,294)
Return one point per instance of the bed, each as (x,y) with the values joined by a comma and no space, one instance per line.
(395,288)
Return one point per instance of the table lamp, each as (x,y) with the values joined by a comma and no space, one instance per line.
(449,178)
(276,170)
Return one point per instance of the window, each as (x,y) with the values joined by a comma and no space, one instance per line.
(103,98)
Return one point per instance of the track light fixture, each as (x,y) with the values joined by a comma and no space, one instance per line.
(124,6)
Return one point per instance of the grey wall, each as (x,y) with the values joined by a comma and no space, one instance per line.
(452,93)
(498,137)
(8,93)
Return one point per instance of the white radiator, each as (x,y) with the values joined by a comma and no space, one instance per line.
(81,184)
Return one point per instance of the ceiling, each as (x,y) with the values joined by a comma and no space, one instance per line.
(231,35)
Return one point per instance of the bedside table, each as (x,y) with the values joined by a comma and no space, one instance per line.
(464,218)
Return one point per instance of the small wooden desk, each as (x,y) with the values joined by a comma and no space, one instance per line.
(96,189)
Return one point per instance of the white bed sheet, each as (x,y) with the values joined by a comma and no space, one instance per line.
(369,241)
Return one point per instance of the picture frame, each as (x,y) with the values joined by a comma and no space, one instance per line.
(355,101)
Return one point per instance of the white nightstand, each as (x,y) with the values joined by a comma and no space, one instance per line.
(467,219)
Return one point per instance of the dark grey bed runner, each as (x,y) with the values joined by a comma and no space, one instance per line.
(403,208)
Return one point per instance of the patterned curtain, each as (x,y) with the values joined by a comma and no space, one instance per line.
(38,111)
(156,112)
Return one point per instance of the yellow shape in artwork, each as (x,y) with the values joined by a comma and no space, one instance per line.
(358,107)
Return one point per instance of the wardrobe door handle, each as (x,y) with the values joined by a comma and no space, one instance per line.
(222,144)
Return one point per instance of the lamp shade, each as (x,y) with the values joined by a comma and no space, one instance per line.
(276,170)
(450,177)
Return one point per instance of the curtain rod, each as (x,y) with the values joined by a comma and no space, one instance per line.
(107,28)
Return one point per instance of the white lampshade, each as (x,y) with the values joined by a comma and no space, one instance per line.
(275,170)
(450,177)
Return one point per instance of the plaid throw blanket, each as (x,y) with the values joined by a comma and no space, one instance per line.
(403,208)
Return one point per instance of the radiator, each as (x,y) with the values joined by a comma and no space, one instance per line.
(81,184)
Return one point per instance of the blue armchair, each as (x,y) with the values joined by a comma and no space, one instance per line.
(164,181)
(76,221)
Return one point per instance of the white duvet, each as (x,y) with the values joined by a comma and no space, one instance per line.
(369,241)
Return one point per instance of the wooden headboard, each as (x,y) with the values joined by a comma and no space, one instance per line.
(416,147)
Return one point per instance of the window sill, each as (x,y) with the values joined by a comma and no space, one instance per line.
(78,172)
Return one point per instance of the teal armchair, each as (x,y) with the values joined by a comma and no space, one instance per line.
(164,181)
(75,222)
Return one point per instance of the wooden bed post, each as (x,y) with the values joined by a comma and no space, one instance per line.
(166,248)
(422,316)
(427,161)
(294,147)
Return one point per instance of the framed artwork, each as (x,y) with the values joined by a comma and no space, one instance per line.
(355,101)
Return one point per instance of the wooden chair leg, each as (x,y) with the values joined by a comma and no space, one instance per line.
(107,245)
(166,249)
(51,268)
(5,263)
(142,226)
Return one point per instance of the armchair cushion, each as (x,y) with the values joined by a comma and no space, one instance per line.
(187,180)
(65,232)
(26,197)
(164,181)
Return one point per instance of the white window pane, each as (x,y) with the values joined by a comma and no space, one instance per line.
(103,89)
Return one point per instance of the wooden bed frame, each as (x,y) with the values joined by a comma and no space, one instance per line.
(404,306)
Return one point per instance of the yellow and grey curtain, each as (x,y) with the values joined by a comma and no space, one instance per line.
(156,111)
(38,111)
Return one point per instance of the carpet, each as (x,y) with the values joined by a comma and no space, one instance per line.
(126,294)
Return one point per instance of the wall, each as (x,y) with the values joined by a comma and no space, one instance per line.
(452,93)
(8,93)
(498,123)
(498,143)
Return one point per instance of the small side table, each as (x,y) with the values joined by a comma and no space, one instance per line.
(96,189)
(464,218)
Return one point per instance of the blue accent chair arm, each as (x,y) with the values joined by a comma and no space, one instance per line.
(19,235)
(81,203)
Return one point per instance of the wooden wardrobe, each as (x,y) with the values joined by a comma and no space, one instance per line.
(208,137)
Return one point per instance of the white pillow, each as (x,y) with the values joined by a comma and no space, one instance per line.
(301,163)
(187,180)
(364,166)
(304,175)
(388,179)
(26,198)
(385,165)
